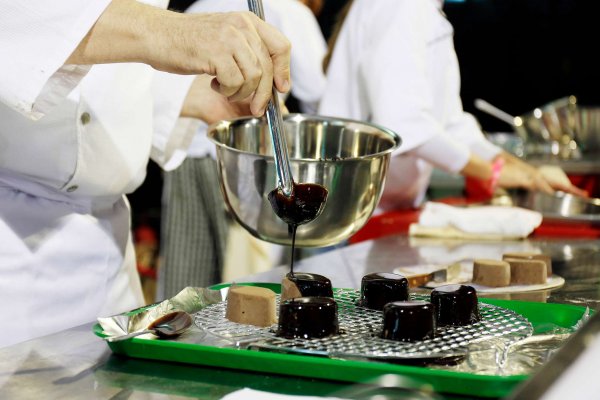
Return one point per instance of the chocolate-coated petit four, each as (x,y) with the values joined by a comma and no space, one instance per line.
(455,305)
(308,318)
(303,284)
(379,288)
(408,321)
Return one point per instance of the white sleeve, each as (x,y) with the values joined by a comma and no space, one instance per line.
(36,38)
(301,28)
(172,135)
(399,91)
(467,130)
(444,153)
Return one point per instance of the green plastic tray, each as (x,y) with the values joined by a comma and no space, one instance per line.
(543,317)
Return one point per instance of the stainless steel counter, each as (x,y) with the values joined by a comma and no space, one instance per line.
(75,364)
(578,261)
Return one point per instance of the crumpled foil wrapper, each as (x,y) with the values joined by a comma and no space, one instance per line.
(190,300)
(503,357)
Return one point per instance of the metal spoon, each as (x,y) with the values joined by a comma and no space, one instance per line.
(167,326)
(294,203)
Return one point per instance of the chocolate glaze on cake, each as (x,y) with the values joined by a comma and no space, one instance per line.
(311,285)
(379,288)
(408,321)
(455,305)
(308,318)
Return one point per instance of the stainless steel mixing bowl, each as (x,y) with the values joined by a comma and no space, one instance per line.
(350,158)
(552,124)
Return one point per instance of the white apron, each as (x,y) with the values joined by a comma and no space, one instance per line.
(63,261)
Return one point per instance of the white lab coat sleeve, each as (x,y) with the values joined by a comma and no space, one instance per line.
(172,135)
(444,153)
(36,38)
(301,28)
(467,130)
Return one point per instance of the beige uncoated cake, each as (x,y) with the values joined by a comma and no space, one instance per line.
(527,272)
(251,305)
(493,273)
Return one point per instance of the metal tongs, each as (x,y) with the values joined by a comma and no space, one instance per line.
(275,122)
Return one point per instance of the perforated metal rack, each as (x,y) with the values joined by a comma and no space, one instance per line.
(360,330)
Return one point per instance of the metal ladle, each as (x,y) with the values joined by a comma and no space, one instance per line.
(294,203)
(275,122)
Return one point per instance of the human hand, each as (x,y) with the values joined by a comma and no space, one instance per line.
(523,176)
(204,103)
(557,178)
(517,173)
(245,55)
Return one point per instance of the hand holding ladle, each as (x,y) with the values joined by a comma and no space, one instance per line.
(294,203)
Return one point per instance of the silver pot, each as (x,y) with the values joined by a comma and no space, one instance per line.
(350,158)
(560,205)
(587,128)
(552,124)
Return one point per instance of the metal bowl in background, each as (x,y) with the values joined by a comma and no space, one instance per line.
(559,205)
(350,158)
(587,128)
(552,125)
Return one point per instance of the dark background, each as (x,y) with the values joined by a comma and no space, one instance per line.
(520,54)
(516,54)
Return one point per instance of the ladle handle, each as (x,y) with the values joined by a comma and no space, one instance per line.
(128,336)
(494,111)
(275,122)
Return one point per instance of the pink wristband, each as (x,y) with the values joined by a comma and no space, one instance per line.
(496,170)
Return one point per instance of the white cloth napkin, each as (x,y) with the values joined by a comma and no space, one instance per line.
(478,222)
(251,394)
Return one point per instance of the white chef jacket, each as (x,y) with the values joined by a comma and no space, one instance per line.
(299,25)
(73,141)
(394,64)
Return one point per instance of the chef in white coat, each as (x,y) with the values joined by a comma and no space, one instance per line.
(199,246)
(81,111)
(394,64)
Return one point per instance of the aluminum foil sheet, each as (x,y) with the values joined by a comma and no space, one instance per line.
(497,356)
(360,330)
(190,299)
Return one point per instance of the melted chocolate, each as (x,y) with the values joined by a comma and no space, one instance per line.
(171,324)
(308,318)
(455,305)
(408,321)
(311,284)
(305,203)
(379,288)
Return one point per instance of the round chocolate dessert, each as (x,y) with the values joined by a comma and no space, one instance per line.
(303,284)
(308,318)
(455,305)
(408,321)
(379,288)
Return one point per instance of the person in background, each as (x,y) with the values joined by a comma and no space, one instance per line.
(392,62)
(199,244)
(88,93)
